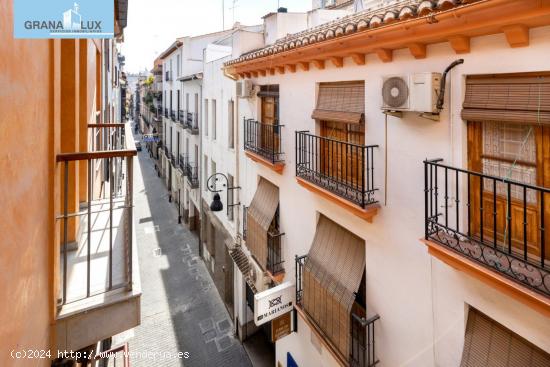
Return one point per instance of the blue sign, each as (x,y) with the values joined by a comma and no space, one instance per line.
(290,362)
(63,18)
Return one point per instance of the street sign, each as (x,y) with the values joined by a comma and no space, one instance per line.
(273,302)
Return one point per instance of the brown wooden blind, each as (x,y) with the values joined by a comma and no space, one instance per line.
(523,99)
(341,102)
(260,214)
(489,344)
(331,276)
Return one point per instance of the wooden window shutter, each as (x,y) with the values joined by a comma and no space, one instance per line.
(521,99)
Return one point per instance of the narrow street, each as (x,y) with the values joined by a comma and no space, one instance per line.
(181,311)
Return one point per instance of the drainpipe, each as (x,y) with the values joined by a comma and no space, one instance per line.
(199,158)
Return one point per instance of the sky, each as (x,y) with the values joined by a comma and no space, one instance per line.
(153,25)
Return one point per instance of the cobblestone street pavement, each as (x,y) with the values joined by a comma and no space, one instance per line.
(181,310)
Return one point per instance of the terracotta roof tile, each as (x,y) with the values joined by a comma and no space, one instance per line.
(361,21)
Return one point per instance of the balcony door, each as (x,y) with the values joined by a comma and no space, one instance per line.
(518,152)
(344,162)
(270,117)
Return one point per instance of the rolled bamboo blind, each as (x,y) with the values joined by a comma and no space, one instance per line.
(489,344)
(341,102)
(331,277)
(260,214)
(522,99)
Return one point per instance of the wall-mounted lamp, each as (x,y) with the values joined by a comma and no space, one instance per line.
(217,205)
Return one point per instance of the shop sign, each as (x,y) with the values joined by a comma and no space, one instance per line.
(273,303)
(281,327)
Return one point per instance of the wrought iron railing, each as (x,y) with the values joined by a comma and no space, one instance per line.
(165,112)
(181,117)
(275,260)
(494,221)
(362,353)
(111,157)
(362,348)
(182,160)
(192,173)
(192,122)
(174,160)
(173,115)
(342,168)
(263,140)
(245,221)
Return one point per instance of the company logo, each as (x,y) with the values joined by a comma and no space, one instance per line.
(63,19)
(275,301)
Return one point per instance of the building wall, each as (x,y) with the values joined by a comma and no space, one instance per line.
(421,301)
(26,163)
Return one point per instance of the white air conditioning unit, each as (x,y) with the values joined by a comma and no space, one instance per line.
(417,92)
(258,276)
(244,88)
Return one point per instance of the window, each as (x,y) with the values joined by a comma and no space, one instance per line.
(205,171)
(230,197)
(213,167)
(214,127)
(178,67)
(509,151)
(231,124)
(170,101)
(187,102)
(205,117)
(177,112)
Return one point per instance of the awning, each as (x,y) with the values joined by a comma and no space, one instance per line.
(487,340)
(340,102)
(260,214)
(522,99)
(331,277)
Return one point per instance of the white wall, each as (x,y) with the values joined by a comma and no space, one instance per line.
(420,300)
(278,25)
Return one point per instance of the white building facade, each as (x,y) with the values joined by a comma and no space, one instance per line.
(344,181)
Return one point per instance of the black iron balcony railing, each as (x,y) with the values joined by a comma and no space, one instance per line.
(90,270)
(362,348)
(165,112)
(181,116)
(275,261)
(192,173)
(496,222)
(174,160)
(245,211)
(182,160)
(173,115)
(342,168)
(191,122)
(167,152)
(263,140)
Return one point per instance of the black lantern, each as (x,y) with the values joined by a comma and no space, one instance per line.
(217,205)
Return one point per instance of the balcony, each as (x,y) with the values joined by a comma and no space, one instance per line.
(174,160)
(361,338)
(490,227)
(262,143)
(192,174)
(165,112)
(181,117)
(191,122)
(339,171)
(167,152)
(173,115)
(98,271)
(182,160)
